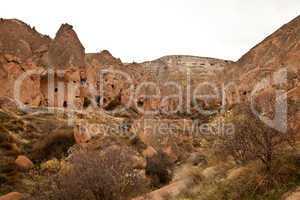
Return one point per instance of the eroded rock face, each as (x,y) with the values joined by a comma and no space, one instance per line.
(14,86)
(107,82)
(279,51)
(112,82)
(102,80)
(66,49)
(23,50)
(194,76)
(172,79)
(20,49)
(19,39)
(270,67)
(104,58)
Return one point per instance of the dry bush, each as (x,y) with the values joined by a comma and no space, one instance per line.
(252,184)
(97,176)
(252,139)
(54,145)
(160,169)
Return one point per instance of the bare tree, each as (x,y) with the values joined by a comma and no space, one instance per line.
(253,139)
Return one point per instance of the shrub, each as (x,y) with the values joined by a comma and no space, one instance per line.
(160,169)
(98,176)
(54,145)
(251,185)
(252,139)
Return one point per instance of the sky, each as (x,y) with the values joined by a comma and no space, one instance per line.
(140,30)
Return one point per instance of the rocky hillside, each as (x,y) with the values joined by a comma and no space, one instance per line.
(19,39)
(279,50)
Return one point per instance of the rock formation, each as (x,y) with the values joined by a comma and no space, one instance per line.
(19,39)
(66,49)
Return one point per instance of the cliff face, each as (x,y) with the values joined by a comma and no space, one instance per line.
(11,70)
(19,39)
(176,68)
(66,49)
(281,50)
(270,67)
(192,77)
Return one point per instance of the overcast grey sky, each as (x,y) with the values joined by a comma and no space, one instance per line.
(138,30)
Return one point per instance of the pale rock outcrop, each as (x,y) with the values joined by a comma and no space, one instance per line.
(169,191)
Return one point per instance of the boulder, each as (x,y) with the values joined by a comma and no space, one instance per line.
(237,172)
(295,195)
(11,196)
(24,163)
(170,191)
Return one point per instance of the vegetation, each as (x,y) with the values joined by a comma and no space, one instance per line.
(160,169)
(258,162)
(252,139)
(247,182)
(95,176)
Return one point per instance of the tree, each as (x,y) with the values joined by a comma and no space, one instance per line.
(252,139)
